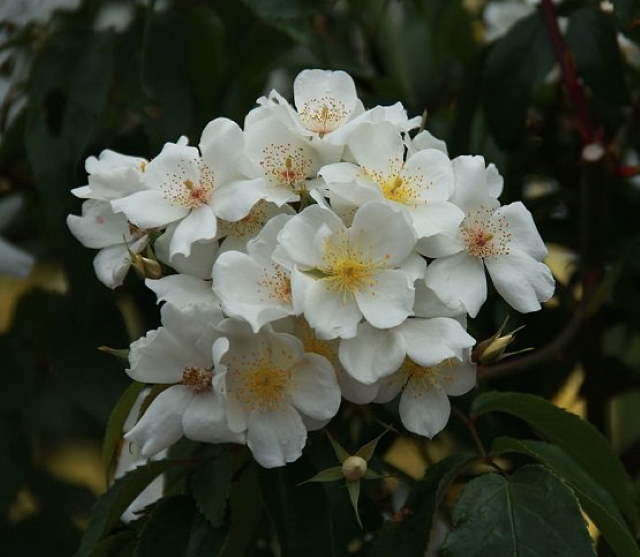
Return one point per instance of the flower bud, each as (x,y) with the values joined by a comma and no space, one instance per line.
(354,467)
(494,348)
(145,267)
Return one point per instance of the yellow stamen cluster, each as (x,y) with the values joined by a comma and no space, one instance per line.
(285,164)
(323,115)
(347,269)
(264,388)
(421,379)
(485,234)
(398,185)
(184,192)
(247,226)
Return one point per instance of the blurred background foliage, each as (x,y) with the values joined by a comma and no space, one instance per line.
(79,76)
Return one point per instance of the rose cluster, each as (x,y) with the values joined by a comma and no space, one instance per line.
(324,251)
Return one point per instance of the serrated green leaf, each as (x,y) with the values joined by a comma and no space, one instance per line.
(329,475)
(529,513)
(411,536)
(341,454)
(509,83)
(210,484)
(300,513)
(592,38)
(107,511)
(115,424)
(577,437)
(594,499)
(354,495)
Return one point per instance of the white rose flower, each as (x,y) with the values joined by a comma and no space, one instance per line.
(352,272)
(269,384)
(252,286)
(192,190)
(422,185)
(179,354)
(182,291)
(504,239)
(424,402)
(102,229)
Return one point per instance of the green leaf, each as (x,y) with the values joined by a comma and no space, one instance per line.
(577,437)
(341,453)
(210,485)
(529,513)
(107,511)
(289,16)
(354,494)
(120,544)
(411,536)
(592,38)
(115,424)
(509,82)
(329,475)
(176,529)
(300,513)
(594,499)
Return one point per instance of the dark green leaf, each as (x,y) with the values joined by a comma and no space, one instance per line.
(594,499)
(509,82)
(627,13)
(354,495)
(577,437)
(367,450)
(529,513)
(114,502)
(341,453)
(176,529)
(592,38)
(300,513)
(210,485)
(120,544)
(113,433)
(411,536)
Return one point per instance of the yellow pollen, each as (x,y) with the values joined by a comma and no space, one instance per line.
(142,165)
(286,165)
(323,115)
(183,192)
(485,233)
(264,388)
(397,185)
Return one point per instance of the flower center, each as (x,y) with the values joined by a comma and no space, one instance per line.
(247,226)
(323,115)
(422,379)
(286,165)
(485,234)
(264,388)
(277,284)
(346,269)
(197,379)
(398,185)
(184,192)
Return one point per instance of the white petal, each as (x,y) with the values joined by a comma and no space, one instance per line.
(329,312)
(458,279)
(432,172)
(382,233)
(372,354)
(425,140)
(377,147)
(427,304)
(99,227)
(111,265)
(198,225)
(276,437)
(435,218)
(340,173)
(388,300)
(233,201)
(315,84)
(300,238)
(431,341)
(198,264)
(354,391)
(174,165)
(389,387)
(314,390)
(148,209)
(182,290)
(284,349)
(414,267)
(425,413)
(460,377)
(471,189)
(161,425)
(521,280)
(158,357)
(441,245)
(524,234)
(204,420)
(252,291)
(263,245)
(194,327)
(221,143)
